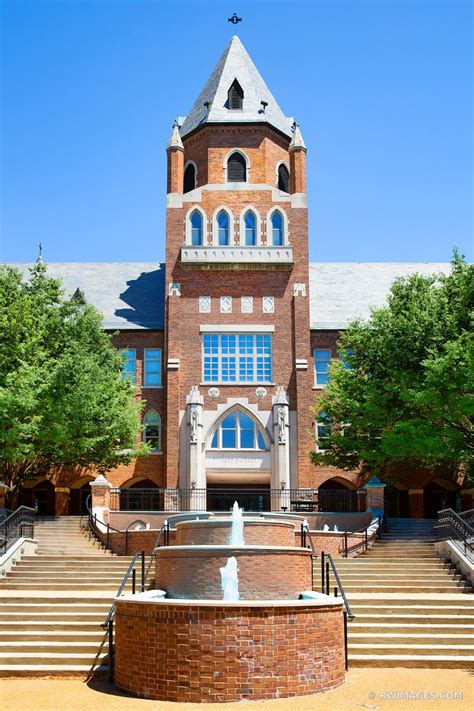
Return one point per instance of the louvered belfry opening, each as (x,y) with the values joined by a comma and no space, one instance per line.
(283,178)
(189,178)
(235,96)
(236,169)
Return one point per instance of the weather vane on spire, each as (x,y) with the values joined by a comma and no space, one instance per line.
(234,19)
(40,250)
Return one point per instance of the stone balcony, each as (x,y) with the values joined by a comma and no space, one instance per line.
(237,257)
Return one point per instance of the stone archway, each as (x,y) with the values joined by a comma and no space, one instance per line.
(78,495)
(41,496)
(337,494)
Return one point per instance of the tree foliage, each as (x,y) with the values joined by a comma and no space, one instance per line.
(62,401)
(401,393)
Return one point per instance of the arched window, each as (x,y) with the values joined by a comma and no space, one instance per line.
(283,178)
(238,431)
(223,228)
(277,229)
(250,229)
(235,96)
(196,229)
(189,178)
(236,169)
(152,433)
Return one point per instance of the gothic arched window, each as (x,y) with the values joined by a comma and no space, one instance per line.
(277,229)
(238,431)
(196,229)
(152,432)
(235,96)
(283,178)
(189,178)
(250,229)
(236,169)
(223,228)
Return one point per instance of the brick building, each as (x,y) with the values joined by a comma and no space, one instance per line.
(229,340)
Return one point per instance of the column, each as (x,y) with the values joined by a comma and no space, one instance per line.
(375,496)
(100,499)
(280,479)
(416,503)
(197,472)
(61,501)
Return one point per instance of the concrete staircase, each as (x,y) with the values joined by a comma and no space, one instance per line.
(411,609)
(52,604)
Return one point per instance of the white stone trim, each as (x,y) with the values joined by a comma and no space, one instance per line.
(238,255)
(286,229)
(205,304)
(173,363)
(246,304)
(268,304)
(237,328)
(226,304)
(187,226)
(277,168)
(258,226)
(191,162)
(215,226)
(247,164)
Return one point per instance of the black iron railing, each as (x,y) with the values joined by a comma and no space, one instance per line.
(455,528)
(255,500)
(108,623)
(19,524)
(100,530)
(366,534)
(328,565)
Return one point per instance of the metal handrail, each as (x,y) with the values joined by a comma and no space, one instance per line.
(12,527)
(305,531)
(94,528)
(365,531)
(108,623)
(457,530)
(164,532)
(325,580)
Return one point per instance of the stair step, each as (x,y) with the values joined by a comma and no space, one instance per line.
(384,639)
(424,649)
(48,658)
(438,661)
(46,670)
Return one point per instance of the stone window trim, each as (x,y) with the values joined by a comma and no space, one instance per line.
(245,157)
(215,226)
(188,226)
(217,428)
(268,304)
(152,418)
(258,225)
(246,304)
(205,304)
(226,304)
(268,223)
(277,175)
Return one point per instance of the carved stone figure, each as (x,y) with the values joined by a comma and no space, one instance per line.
(194,419)
(282,423)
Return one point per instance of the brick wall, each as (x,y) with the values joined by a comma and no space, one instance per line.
(227,653)
(215,533)
(263,573)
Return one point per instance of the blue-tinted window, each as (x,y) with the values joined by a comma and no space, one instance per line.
(237,358)
(223,228)
(277,229)
(250,229)
(152,367)
(129,367)
(152,433)
(196,228)
(323,426)
(322,359)
(238,431)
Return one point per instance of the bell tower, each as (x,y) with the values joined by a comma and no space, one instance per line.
(237,308)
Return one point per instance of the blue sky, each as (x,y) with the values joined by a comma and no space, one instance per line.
(382,91)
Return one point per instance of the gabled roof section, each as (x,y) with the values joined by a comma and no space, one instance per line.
(235,63)
(129,295)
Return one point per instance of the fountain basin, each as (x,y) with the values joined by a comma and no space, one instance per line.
(216,531)
(264,572)
(211,650)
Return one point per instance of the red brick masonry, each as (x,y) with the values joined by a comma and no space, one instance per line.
(258,532)
(180,651)
(265,572)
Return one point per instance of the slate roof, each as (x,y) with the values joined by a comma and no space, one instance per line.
(235,63)
(341,292)
(131,295)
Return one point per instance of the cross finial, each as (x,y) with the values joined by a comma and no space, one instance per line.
(40,250)
(234,19)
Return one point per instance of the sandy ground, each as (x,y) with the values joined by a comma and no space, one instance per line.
(369,689)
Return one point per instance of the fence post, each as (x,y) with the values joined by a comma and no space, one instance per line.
(327,578)
(143,571)
(322,571)
(345,640)
(111,650)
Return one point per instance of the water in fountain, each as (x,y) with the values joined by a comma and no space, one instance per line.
(237,530)
(230,580)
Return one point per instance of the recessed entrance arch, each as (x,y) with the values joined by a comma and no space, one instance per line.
(40,496)
(78,495)
(397,500)
(439,494)
(337,494)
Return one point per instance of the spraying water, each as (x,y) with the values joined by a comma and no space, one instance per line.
(230,580)
(237,530)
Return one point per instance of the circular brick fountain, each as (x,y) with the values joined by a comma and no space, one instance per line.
(185,643)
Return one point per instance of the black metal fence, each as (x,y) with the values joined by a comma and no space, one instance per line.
(254,500)
(453,527)
(19,524)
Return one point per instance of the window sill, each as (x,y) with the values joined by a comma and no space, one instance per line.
(232,451)
(154,454)
(152,387)
(319,387)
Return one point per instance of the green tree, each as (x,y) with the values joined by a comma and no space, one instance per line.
(401,393)
(63,403)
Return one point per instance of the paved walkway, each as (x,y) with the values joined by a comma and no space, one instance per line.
(364,690)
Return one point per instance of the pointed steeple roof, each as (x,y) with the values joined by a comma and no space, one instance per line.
(297,140)
(259,105)
(175,139)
